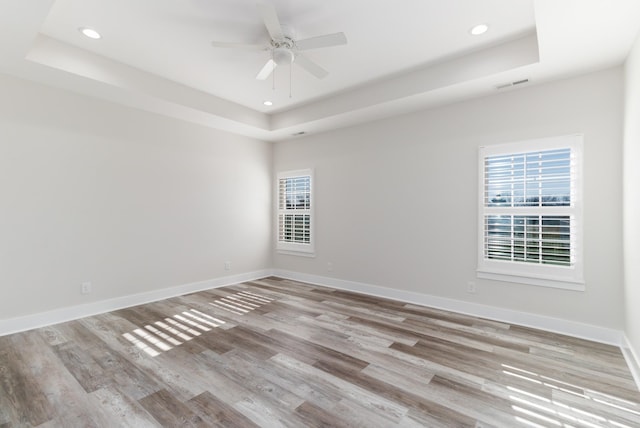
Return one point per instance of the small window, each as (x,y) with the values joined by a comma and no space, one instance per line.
(531,212)
(295,212)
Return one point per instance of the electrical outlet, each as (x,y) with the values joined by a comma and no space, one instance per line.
(471,287)
(86,287)
(330,267)
(227,265)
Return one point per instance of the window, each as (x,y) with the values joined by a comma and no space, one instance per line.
(295,212)
(530,216)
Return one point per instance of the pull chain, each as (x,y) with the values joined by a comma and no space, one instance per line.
(273,72)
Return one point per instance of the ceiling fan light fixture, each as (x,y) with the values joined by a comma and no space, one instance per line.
(90,33)
(283,56)
(479,29)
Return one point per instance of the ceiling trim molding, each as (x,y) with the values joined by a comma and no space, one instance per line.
(441,75)
(78,70)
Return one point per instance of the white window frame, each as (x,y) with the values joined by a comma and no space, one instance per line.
(296,248)
(565,277)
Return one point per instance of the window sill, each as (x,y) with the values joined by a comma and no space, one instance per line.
(296,253)
(564,284)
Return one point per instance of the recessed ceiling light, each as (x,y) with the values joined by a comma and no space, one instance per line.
(479,29)
(89,32)
(268,103)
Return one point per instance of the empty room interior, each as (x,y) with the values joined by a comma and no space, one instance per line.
(276,213)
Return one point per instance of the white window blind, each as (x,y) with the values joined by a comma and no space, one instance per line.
(295,211)
(530,211)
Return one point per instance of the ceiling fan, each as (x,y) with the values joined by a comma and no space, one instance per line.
(284,48)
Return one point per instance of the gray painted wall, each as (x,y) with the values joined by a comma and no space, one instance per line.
(131,201)
(632,198)
(396,200)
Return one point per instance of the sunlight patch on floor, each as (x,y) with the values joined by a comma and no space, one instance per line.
(164,335)
(560,409)
(241,303)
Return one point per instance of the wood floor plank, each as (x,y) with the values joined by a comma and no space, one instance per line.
(22,399)
(69,403)
(316,352)
(132,379)
(384,407)
(169,411)
(315,416)
(121,409)
(270,393)
(395,393)
(277,352)
(320,395)
(217,413)
(82,367)
(355,413)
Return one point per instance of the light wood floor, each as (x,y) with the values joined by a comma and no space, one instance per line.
(281,353)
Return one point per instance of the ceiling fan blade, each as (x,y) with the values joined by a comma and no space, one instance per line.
(245,46)
(311,66)
(270,18)
(335,39)
(266,70)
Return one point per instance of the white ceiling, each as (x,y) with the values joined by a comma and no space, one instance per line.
(172,39)
(401,55)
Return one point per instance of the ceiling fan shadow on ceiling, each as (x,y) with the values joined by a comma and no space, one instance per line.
(284,48)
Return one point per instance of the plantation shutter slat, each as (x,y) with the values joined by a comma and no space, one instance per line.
(528,207)
(294,209)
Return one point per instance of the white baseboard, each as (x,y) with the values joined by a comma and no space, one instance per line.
(28,322)
(542,322)
(632,357)
(571,328)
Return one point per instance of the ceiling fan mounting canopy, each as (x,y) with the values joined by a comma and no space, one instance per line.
(284,48)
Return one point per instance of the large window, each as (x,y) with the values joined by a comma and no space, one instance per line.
(531,212)
(295,214)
